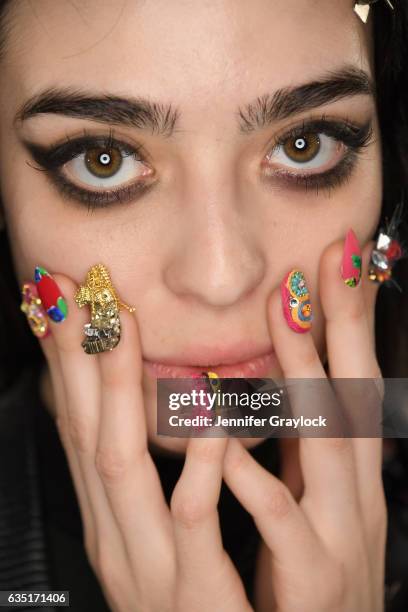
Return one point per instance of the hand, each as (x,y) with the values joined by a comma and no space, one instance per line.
(147,558)
(326,551)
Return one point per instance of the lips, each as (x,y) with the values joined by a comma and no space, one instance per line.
(252,367)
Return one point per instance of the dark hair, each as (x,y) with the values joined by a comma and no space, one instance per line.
(19,348)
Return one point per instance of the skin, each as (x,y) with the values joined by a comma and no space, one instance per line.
(232,240)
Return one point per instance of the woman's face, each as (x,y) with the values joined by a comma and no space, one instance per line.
(222,182)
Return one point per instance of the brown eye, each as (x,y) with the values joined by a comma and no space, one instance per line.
(305,151)
(103,162)
(302,148)
(106,166)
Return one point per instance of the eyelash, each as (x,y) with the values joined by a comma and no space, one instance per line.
(51,159)
(354,137)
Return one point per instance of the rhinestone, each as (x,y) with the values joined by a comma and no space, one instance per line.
(383,241)
(380,260)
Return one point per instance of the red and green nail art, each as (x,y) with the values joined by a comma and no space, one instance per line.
(351,263)
(50,294)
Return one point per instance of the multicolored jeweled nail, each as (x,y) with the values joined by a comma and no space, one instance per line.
(50,295)
(33,309)
(297,308)
(351,262)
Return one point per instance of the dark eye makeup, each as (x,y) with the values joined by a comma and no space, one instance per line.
(349,137)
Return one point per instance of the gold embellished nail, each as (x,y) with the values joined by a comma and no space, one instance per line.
(103,332)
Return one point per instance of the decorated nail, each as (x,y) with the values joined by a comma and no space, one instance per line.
(388,249)
(351,262)
(32,307)
(50,294)
(201,411)
(296,305)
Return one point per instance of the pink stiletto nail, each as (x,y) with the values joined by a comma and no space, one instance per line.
(297,308)
(351,262)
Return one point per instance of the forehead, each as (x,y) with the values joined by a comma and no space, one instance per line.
(183,50)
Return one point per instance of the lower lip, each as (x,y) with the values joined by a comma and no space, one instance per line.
(254,368)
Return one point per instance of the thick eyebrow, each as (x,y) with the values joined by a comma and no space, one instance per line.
(140,113)
(162,119)
(283,103)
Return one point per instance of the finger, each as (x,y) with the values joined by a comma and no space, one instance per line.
(349,313)
(126,468)
(291,473)
(203,566)
(348,332)
(81,382)
(51,353)
(194,502)
(280,520)
(327,463)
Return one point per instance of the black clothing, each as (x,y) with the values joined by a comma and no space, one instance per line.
(41,537)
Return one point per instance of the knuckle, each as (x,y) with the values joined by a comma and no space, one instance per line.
(79,432)
(236,461)
(205,450)
(187,510)
(309,357)
(377,514)
(62,428)
(107,570)
(110,465)
(340,444)
(90,551)
(356,310)
(331,587)
(278,502)
(61,424)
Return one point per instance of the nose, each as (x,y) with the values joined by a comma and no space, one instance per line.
(216,258)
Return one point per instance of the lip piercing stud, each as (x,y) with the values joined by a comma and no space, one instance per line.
(103,332)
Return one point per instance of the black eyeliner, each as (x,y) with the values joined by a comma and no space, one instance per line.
(349,134)
(53,158)
(98,199)
(355,138)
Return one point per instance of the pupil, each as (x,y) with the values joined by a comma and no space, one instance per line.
(103,162)
(104,158)
(303,148)
(300,143)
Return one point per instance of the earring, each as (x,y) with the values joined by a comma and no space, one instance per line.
(362,8)
(103,332)
(35,312)
(388,250)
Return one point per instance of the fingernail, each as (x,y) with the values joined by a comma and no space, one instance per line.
(351,262)
(33,309)
(50,295)
(297,309)
(386,252)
